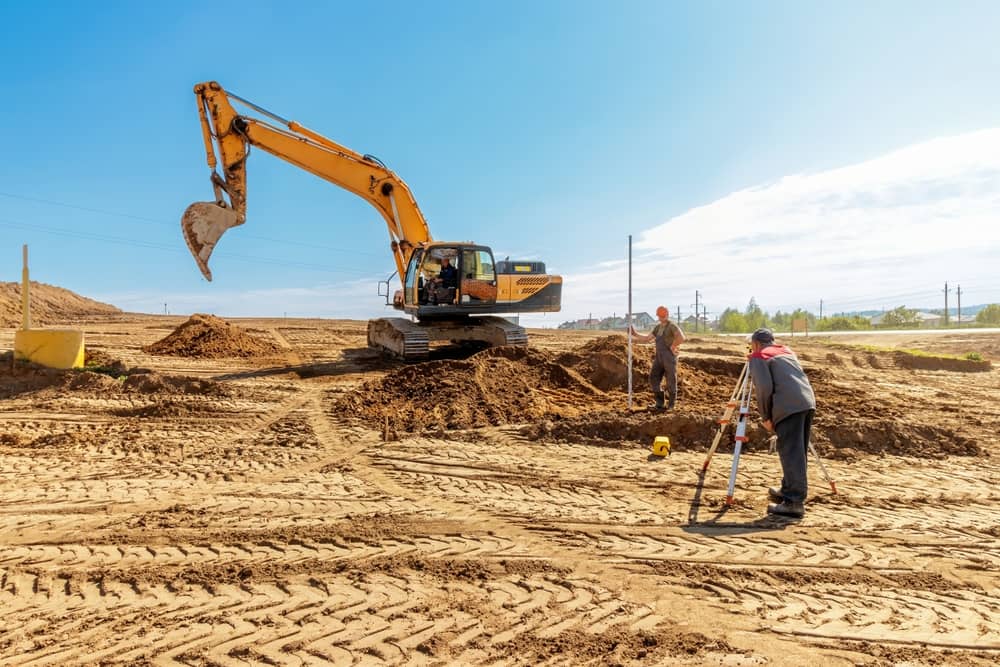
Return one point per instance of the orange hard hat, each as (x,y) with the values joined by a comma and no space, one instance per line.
(662,311)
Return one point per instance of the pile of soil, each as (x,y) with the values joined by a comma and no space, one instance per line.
(604,362)
(209,337)
(49,305)
(510,385)
(934,363)
(101,375)
(495,386)
(579,396)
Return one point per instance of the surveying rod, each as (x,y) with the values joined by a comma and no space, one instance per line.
(628,329)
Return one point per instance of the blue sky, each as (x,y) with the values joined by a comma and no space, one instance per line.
(547,130)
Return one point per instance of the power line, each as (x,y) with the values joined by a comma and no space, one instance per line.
(129,216)
(152,245)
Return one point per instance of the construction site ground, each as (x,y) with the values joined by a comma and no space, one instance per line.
(317,504)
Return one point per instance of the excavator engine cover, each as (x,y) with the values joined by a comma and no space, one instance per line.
(203,223)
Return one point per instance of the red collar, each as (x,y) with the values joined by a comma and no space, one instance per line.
(770,352)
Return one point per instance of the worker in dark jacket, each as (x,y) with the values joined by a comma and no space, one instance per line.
(668,338)
(787,404)
(440,290)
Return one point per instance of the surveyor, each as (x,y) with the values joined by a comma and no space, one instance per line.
(787,404)
(668,338)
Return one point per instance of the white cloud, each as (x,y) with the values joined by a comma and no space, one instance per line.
(883,232)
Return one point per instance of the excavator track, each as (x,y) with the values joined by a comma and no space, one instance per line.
(399,337)
(411,341)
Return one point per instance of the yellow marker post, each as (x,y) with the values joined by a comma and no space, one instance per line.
(25,301)
(55,348)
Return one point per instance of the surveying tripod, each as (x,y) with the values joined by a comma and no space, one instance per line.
(739,404)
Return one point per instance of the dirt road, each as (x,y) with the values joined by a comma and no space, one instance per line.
(236,511)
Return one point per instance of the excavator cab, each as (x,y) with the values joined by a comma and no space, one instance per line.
(449,279)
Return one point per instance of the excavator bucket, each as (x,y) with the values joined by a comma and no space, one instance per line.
(203,224)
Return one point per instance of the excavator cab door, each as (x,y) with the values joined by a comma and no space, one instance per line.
(413,282)
(477,278)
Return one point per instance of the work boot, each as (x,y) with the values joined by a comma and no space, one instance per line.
(659,401)
(775,494)
(670,403)
(788,508)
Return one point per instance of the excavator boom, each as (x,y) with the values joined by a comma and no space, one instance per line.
(228,136)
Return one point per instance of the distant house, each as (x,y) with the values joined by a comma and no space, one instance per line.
(690,320)
(930,320)
(613,323)
(643,321)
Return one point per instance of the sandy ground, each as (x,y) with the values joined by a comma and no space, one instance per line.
(321,506)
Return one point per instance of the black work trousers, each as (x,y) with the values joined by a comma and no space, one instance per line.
(793,450)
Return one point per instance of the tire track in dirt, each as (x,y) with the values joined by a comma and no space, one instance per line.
(390,616)
(754,553)
(839,550)
(386,628)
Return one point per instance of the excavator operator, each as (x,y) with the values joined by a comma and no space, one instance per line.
(441,290)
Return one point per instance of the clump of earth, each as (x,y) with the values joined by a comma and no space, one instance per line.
(210,337)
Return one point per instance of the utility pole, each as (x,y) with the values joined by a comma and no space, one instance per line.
(697,295)
(946,304)
(704,313)
(959,290)
(628,326)
(821,309)
(678,314)
(164,309)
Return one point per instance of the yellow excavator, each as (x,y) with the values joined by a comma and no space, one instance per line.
(453,291)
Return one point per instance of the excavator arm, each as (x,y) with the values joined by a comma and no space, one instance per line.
(228,136)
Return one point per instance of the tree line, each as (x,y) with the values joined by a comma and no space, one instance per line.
(753,317)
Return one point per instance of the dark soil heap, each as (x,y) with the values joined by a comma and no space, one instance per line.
(209,337)
(510,385)
(102,375)
(579,396)
(496,386)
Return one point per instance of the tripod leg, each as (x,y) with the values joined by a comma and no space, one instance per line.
(826,475)
(730,491)
(727,414)
(715,444)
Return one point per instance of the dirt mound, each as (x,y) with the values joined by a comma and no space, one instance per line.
(102,375)
(843,438)
(604,362)
(686,430)
(496,386)
(935,363)
(519,385)
(579,396)
(166,409)
(209,337)
(149,382)
(49,305)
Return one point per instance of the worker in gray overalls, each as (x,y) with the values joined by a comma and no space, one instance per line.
(668,338)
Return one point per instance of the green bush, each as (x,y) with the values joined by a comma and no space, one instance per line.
(990,315)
